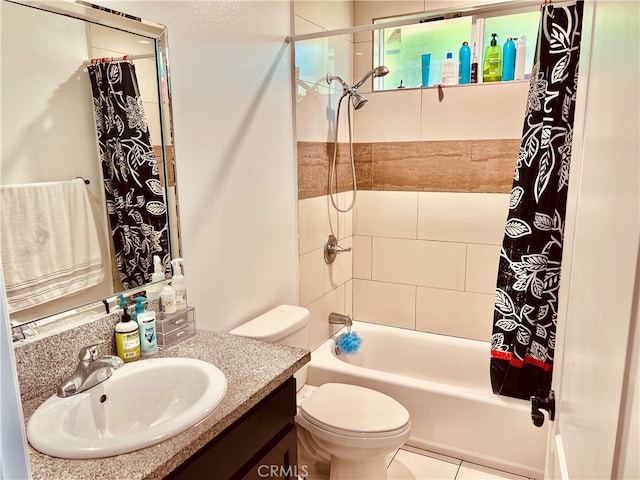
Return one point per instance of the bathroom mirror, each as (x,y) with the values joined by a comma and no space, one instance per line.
(49,130)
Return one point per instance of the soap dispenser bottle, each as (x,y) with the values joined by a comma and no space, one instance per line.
(153,292)
(492,71)
(177,282)
(127,336)
(139,308)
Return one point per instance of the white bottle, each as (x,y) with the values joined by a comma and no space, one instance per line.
(168,299)
(449,71)
(177,282)
(153,292)
(521,55)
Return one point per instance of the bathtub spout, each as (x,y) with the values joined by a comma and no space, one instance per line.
(338,318)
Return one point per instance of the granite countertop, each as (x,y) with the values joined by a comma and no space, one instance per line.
(253,370)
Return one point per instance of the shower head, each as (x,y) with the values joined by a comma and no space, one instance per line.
(380,71)
(358,101)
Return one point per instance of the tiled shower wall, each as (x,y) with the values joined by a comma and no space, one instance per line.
(434,171)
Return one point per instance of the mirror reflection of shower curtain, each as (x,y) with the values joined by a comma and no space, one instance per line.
(525,312)
(135,200)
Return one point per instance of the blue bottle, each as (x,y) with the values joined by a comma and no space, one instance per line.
(464,65)
(426,68)
(508,60)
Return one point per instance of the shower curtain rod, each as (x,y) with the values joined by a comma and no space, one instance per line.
(118,59)
(417,18)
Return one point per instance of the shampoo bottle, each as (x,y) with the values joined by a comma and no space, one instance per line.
(177,282)
(508,60)
(449,71)
(127,337)
(464,72)
(492,71)
(153,292)
(148,340)
(521,54)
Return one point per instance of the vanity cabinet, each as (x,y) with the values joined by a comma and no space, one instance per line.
(260,444)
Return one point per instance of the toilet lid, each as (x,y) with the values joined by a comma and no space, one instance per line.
(353,410)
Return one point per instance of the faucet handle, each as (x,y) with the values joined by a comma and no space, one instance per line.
(90,352)
(331,249)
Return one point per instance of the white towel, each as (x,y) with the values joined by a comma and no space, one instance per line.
(48,241)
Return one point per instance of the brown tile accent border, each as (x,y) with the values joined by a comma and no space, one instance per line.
(493,163)
(314,159)
(421,166)
(479,166)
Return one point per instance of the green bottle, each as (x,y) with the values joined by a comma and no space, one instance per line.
(492,71)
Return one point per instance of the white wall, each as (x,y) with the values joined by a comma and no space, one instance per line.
(231,92)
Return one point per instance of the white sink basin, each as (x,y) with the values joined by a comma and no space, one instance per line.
(141,404)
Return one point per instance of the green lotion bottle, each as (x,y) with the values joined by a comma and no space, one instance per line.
(492,71)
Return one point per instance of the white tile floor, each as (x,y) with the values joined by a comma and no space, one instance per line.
(410,463)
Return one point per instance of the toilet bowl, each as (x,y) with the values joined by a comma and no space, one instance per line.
(353,427)
(344,431)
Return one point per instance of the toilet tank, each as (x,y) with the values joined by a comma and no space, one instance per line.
(286,325)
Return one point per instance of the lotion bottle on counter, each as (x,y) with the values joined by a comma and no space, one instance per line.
(127,336)
(153,292)
(177,282)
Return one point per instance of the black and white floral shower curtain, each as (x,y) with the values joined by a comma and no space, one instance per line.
(135,201)
(525,312)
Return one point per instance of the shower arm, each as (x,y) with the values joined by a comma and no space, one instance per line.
(345,88)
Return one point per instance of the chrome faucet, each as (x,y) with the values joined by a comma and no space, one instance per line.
(340,319)
(22,332)
(91,371)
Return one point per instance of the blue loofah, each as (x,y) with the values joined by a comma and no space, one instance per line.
(349,342)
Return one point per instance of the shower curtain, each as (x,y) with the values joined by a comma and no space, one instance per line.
(135,200)
(525,311)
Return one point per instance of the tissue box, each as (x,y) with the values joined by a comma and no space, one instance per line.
(173,327)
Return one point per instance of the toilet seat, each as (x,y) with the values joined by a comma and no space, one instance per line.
(354,411)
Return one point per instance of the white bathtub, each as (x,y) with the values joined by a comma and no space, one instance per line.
(444,383)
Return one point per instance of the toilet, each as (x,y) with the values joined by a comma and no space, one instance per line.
(344,431)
